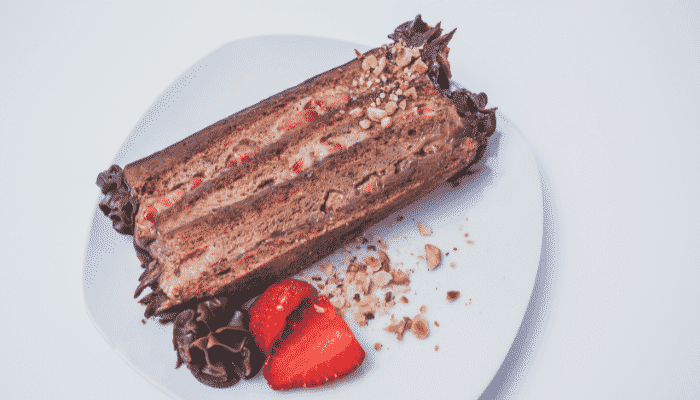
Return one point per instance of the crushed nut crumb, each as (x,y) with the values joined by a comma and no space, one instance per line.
(419,327)
(433,256)
(452,295)
(424,229)
(377,346)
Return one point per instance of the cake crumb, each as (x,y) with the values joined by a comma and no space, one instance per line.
(433,256)
(424,229)
(404,300)
(470,241)
(452,295)
(419,327)
(423,309)
(377,346)
(452,264)
(143,321)
(436,323)
(437,347)
(466,235)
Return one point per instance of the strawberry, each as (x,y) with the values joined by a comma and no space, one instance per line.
(268,316)
(317,347)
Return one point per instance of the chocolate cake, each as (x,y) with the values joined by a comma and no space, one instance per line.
(266,192)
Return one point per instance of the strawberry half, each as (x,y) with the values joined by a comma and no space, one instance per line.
(318,347)
(268,315)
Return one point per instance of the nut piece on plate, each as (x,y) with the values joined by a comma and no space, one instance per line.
(433,256)
(452,295)
(419,327)
(424,229)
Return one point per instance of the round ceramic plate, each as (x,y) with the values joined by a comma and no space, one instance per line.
(490,224)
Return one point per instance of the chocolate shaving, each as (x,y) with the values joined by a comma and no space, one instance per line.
(118,203)
(214,342)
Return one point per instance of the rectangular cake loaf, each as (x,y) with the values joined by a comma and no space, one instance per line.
(266,192)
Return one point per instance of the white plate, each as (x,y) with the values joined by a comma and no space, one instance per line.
(500,207)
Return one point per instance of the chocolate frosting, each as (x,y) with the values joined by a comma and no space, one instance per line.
(480,121)
(118,203)
(215,343)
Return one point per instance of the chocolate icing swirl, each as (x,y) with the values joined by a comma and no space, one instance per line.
(215,343)
(118,203)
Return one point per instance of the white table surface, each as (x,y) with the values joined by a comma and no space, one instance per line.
(607,96)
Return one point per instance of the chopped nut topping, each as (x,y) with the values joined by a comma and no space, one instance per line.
(404,57)
(386,122)
(424,229)
(419,327)
(390,107)
(433,256)
(381,64)
(384,259)
(381,278)
(356,112)
(358,54)
(365,124)
(411,92)
(369,62)
(402,104)
(375,114)
(404,299)
(400,329)
(338,301)
(452,295)
(400,277)
(319,308)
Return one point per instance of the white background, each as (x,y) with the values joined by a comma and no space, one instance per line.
(607,95)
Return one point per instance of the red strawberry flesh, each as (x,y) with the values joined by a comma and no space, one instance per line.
(318,348)
(269,313)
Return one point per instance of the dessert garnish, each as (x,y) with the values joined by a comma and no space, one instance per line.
(315,345)
(214,342)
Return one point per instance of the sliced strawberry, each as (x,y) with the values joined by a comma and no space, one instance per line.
(318,347)
(268,315)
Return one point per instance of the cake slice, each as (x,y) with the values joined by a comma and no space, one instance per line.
(266,192)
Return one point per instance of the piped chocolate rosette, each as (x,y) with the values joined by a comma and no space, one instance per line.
(214,341)
(268,191)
